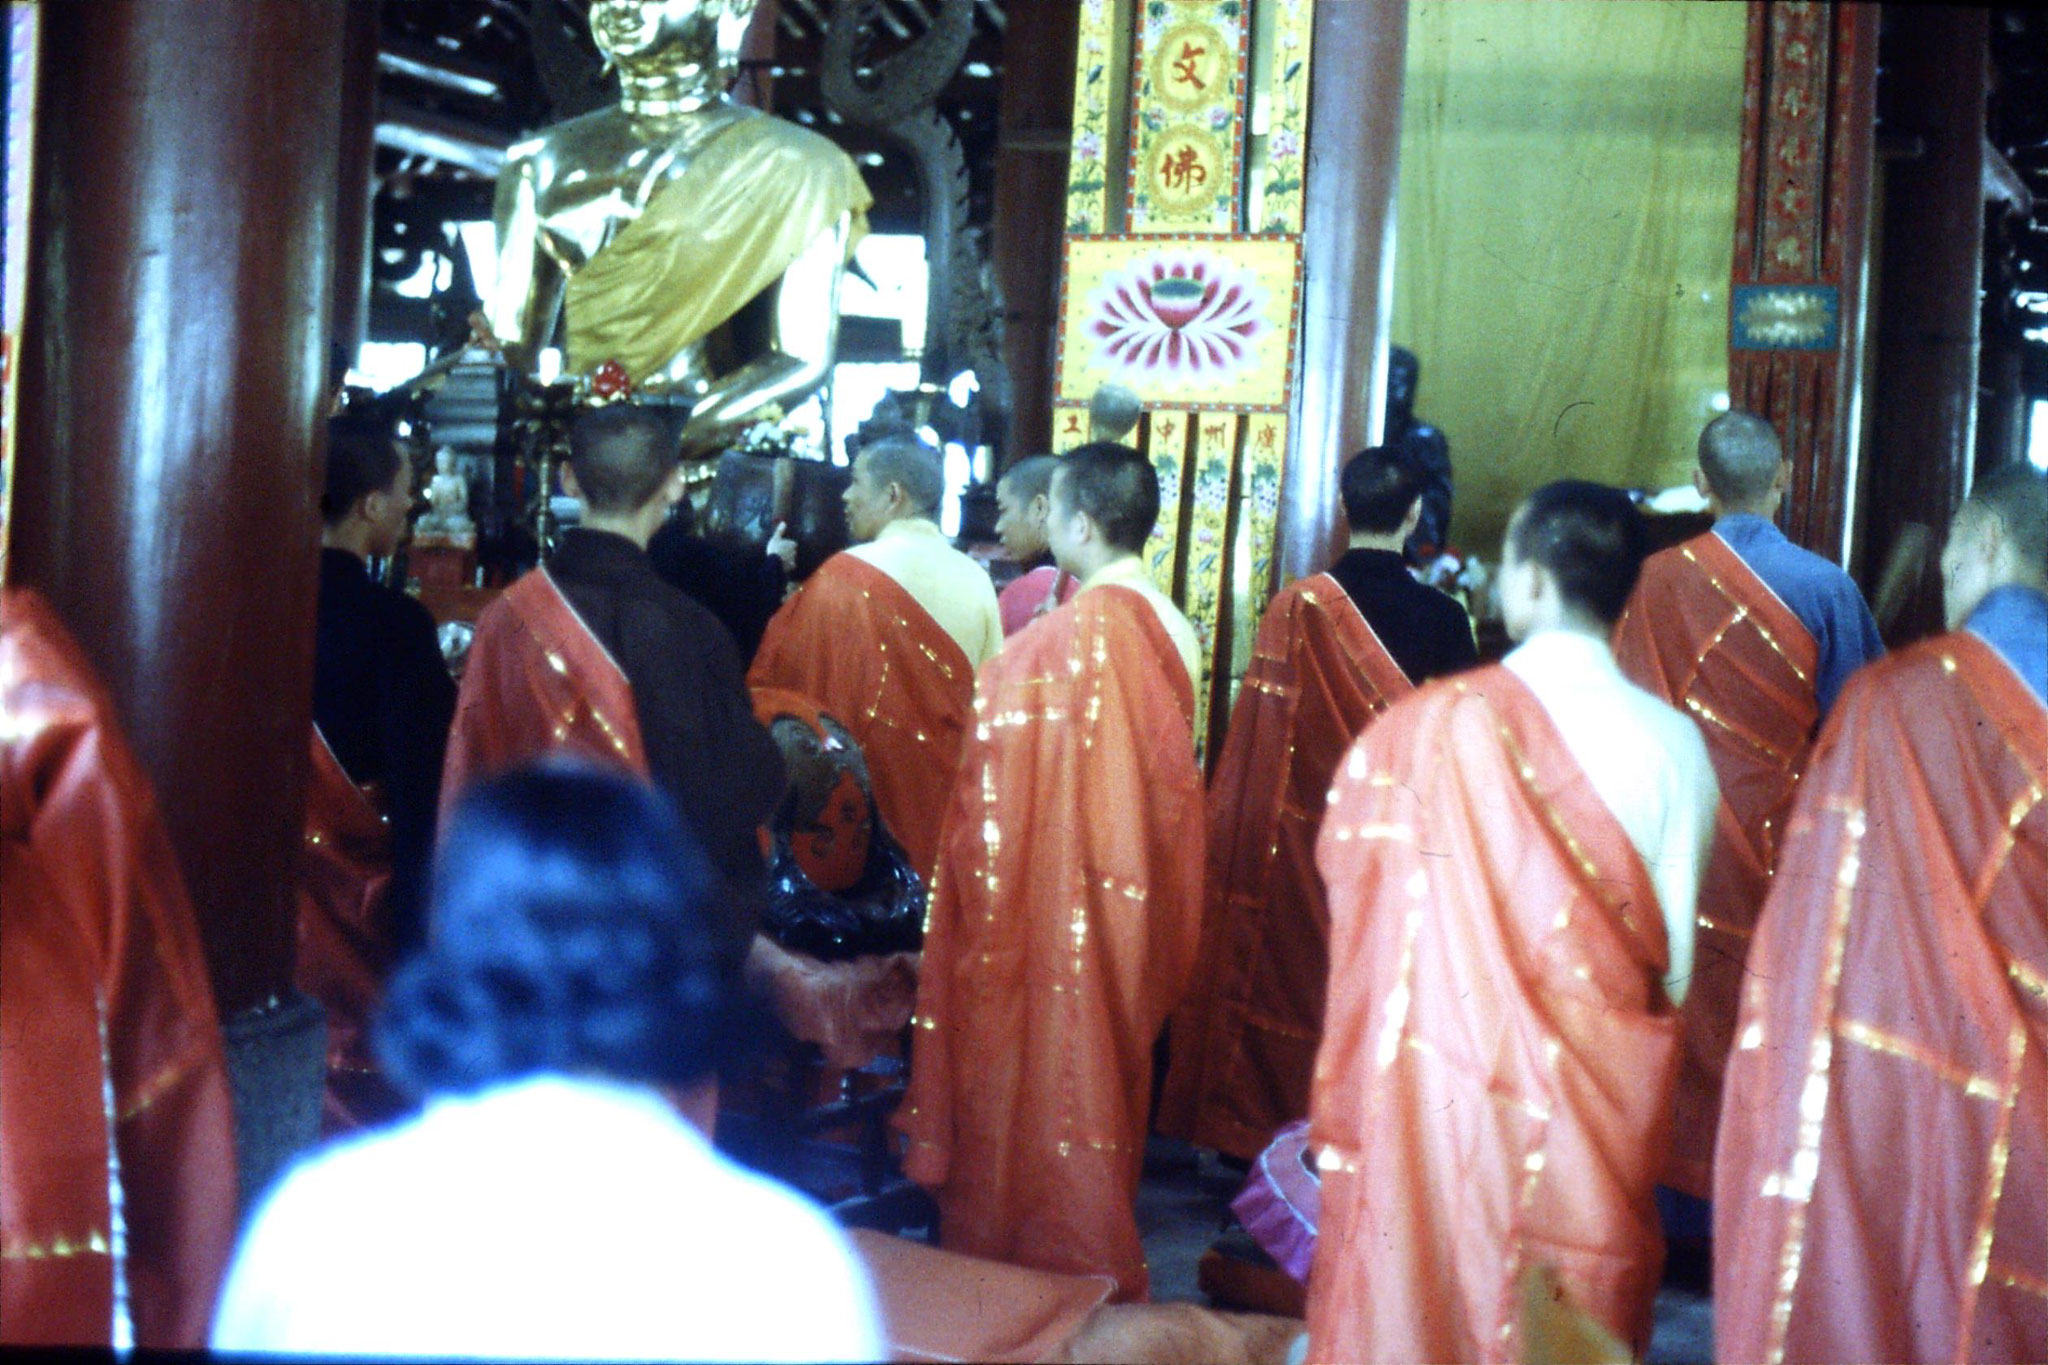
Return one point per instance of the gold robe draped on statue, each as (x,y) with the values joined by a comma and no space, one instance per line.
(756,195)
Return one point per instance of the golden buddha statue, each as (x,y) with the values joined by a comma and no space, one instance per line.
(694,241)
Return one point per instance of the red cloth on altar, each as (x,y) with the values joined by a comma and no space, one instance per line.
(537,682)
(856,643)
(1882,1185)
(1029,596)
(1244,1042)
(1704,633)
(1494,1085)
(345,947)
(109,1024)
(1062,928)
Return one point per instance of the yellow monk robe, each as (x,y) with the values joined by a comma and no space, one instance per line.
(758,193)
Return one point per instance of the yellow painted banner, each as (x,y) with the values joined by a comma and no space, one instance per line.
(1099,60)
(1180,320)
(1208,569)
(1265,458)
(1166,445)
(1069,426)
(1282,170)
(1187,116)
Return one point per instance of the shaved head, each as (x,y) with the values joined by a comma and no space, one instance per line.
(1739,458)
(911,465)
(2017,495)
(1030,478)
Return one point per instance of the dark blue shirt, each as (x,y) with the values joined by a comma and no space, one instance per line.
(2014,621)
(1823,598)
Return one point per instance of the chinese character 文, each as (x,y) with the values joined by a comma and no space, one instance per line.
(1186,64)
(1183,169)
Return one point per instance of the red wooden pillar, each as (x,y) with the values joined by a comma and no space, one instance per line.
(172,376)
(1802,229)
(1354,148)
(1035,123)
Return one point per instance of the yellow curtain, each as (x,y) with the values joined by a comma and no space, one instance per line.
(1566,218)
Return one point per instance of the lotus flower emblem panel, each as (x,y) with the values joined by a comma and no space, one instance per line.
(1205,320)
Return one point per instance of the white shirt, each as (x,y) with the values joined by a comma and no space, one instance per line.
(1647,763)
(955,590)
(1129,572)
(548,1218)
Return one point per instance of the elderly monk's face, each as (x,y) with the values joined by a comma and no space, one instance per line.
(1969,563)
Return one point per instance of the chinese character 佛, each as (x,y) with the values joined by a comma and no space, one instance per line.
(1183,169)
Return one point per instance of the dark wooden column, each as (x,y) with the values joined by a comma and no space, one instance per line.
(1035,122)
(1354,149)
(355,177)
(1924,398)
(184,226)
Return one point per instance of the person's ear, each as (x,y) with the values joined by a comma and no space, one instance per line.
(1783,480)
(570,487)
(676,488)
(1041,508)
(1699,483)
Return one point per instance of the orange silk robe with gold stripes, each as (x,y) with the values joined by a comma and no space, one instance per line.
(537,682)
(1244,1042)
(859,645)
(1881,1191)
(1493,1090)
(1704,633)
(1063,925)
(112,1052)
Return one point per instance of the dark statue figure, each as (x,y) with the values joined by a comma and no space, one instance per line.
(1428,447)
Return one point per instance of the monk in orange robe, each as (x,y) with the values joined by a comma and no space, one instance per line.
(1510,857)
(887,636)
(1752,636)
(112,1082)
(1881,1191)
(1333,651)
(1067,906)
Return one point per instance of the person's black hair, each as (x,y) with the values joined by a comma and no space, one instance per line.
(1379,484)
(361,459)
(621,453)
(568,934)
(1591,539)
(1116,486)
(1030,477)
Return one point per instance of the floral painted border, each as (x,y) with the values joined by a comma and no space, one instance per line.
(1287,128)
(1265,459)
(1221,117)
(1166,445)
(1098,60)
(1208,565)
